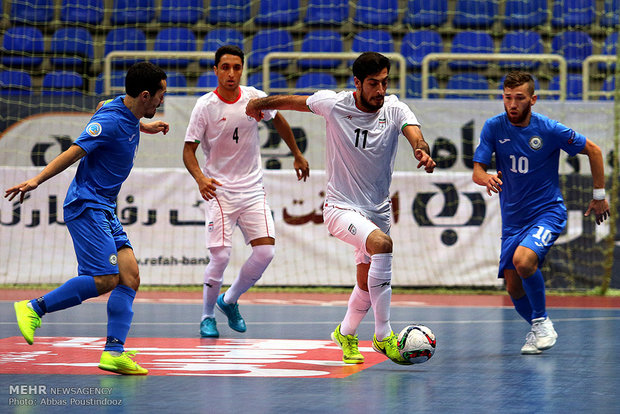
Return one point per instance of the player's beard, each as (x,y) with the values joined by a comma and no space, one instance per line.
(519,118)
(369,106)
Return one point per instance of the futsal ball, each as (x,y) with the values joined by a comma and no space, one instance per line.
(416,343)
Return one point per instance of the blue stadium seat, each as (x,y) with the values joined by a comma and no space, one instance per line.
(416,45)
(574,86)
(376,12)
(521,42)
(321,41)
(270,40)
(426,13)
(373,41)
(611,13)
(62,83)
(610,46)
(575,46)
(327,12)
(181,11)
(76,44)
(609,85)
(471,42)
(132,11)
(316,80)
(22,46)
(414,85)
(278,12)
(15,82)
(229,11)
(217,38)
(521,14)
(175,80)
(206,80)
(276,80)
(82,11)
(126,39)
(474,14)
(571,13)
(467,81)
(117,78)
(174,39)
(31,11)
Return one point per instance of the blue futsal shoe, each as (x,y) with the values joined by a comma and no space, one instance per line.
(235,321)
(208,328)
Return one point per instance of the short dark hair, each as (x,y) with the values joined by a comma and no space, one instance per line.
(369,63)
(517,78)
(228,50)
(144,76)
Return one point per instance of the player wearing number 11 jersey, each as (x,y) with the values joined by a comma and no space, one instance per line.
(527,149)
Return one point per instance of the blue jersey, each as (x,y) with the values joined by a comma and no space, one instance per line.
(528,158)
(111,141)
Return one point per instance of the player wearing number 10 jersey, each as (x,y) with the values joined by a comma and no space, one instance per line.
(527,149)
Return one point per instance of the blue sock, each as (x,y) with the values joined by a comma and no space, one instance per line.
(120,314)
(73,292)
(523,307)
(535,288)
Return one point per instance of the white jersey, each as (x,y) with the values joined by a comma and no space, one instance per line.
(361,147)
(229,139)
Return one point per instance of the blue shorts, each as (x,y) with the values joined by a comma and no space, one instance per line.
(538,236)
(97,236)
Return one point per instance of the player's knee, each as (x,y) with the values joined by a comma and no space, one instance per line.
(220,256)
(106,283)
(263,253)
(524,267)
(378,242)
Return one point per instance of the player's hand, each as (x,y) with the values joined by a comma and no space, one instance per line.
(425,160)
(302,168)
(250,110)
(207,187)
(494,183)
(155,127)
(20,189)
(600,209)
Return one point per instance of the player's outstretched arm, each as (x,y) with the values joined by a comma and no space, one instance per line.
(598,204)
(154,127)
(255,107)
(206,186)
(421,151)
(58,164)
(493,183)
(302,169)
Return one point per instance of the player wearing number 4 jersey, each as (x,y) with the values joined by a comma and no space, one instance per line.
(232,185)
(527,148)
(362,136)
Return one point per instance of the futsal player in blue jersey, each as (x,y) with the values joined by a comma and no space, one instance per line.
(106,262)
(527,149)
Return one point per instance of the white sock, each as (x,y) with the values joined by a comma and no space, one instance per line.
(250,272)
(214,274)
(380,289)
(359,304)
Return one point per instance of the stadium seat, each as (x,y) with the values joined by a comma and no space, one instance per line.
(217,38)
(327,12)
(321,41)
(574,86)
(174,39)
(575,46)
(31,11)
(276,80)
(474,14)
(471,42)
(117,79)
(228,11)
(82,11)
(414,85)
(571,13)
(467,81)
(15,82)
(278,12)
(373,41)
(206,80)
(22,46)
(126,39)
(316,80)
(62,83)
(270,40)
(416,45)
(181,11)
(521,42)
(72,47)
(175,80)
(610,46)
(376,12)
(426,13)
(609,85)
(132,11)
(611,14)
(522,15)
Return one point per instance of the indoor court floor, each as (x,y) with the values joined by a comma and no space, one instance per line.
(286,363)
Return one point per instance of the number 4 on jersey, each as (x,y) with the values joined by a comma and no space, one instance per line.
(236,136)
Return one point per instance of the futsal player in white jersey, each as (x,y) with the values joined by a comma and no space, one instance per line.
(362,136)
(232,184)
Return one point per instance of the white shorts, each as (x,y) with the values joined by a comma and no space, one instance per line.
(354,225)
(227,210)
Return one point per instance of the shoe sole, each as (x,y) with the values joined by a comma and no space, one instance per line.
(532,352)
(346,361)
(543,348)
(115,370)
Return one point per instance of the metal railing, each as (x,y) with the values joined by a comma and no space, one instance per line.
(543,57)
(585,72)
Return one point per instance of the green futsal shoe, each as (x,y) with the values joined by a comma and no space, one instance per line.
(388,347)
(121,364)
(348,344)
(27,320)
